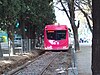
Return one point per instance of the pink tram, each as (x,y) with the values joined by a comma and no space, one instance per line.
(56,37)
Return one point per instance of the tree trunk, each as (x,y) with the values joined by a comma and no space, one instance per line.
(11,39)
(71,16)
(72,21)
(96,38)
(75,31)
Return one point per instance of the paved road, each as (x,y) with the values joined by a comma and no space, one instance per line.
(84,59)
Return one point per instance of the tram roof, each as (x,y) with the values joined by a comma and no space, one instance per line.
(56,27)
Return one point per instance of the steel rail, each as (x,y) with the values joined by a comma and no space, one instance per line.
(43,70)
(22,66)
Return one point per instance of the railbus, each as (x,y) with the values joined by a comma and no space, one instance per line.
(56,37)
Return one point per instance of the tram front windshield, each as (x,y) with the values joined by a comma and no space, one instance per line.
(56,35)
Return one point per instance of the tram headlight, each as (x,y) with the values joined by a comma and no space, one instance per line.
(64,47)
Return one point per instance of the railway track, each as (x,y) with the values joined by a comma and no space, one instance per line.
(59,66)
(44,69)
(50,63)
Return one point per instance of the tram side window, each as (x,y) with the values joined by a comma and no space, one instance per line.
(61,34)
(50,35)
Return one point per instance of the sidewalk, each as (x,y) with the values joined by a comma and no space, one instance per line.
(84,59)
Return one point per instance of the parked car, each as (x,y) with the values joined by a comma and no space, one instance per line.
(1,40)
(17,40)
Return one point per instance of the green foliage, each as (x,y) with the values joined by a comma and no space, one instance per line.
(10,11)
(39,12)
(43,13)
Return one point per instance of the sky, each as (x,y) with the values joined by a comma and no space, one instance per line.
(61,17)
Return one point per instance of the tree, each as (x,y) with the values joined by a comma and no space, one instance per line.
(39,13)
(85,6)
(96,38)
(71,15)
(42,14)
(9,10)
